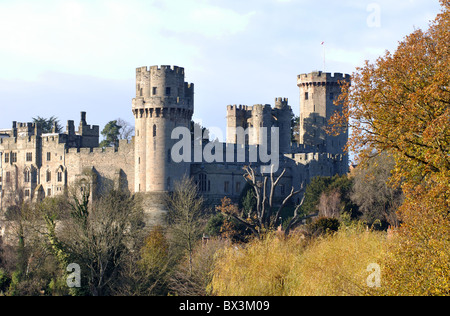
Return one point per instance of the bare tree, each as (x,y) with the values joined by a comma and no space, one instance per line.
(266,215)
(376,197)
(126,129)
(98,236)
(185,208)
(330,204)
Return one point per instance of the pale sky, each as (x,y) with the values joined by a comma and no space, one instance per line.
(63,57)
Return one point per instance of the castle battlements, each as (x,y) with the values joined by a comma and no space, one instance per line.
(167,68)
(322,78)
(163,85)
(123,147)
(281,103)
(149,163)
(239,107)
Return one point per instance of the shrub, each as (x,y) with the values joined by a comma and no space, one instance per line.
(335,264)
(257,269)
(4,281)
(324,225)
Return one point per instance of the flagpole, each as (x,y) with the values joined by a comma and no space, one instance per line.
(323,46)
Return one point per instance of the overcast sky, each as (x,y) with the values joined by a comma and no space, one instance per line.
(63,57)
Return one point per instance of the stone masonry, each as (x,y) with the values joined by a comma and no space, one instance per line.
(34,165)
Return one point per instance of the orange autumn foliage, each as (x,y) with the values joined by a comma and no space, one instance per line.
(401,104)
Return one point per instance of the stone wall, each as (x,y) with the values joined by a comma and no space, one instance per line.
(113,167)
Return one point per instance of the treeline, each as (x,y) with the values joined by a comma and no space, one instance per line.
(118,255)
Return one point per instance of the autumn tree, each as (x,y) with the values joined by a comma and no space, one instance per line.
(401,104)
(146,272)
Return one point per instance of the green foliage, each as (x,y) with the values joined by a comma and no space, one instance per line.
(325,185)
(16,278)
(214,225)
(5,280)
(111,133)
(312,193)
(325,225)
(48,124)
(247,199)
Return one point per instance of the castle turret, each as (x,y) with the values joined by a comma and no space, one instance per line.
(283,116)
(318,92)
(163,102)
(252,119)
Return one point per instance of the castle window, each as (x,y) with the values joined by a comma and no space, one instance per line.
(48,176)
(27,176)
(282,189)
(29,157)
(6,157)
(49,192)
(154,90)
(238,187)
(169,156)
(60,176)
(27,193)
(154,130)
(49,156)
(13,157)
(226,186)
(203,183)
(306,96)
(167,91)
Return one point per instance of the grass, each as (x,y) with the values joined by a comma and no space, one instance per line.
(335,264)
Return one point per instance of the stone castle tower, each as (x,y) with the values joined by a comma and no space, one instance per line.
(47,164)
(163,102)
(318,91)
(252,118)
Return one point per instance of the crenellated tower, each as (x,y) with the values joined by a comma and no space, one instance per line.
(253,118)
(163,102)
(283,114)
(318,92)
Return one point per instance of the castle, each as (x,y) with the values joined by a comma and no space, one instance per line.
(34,165)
